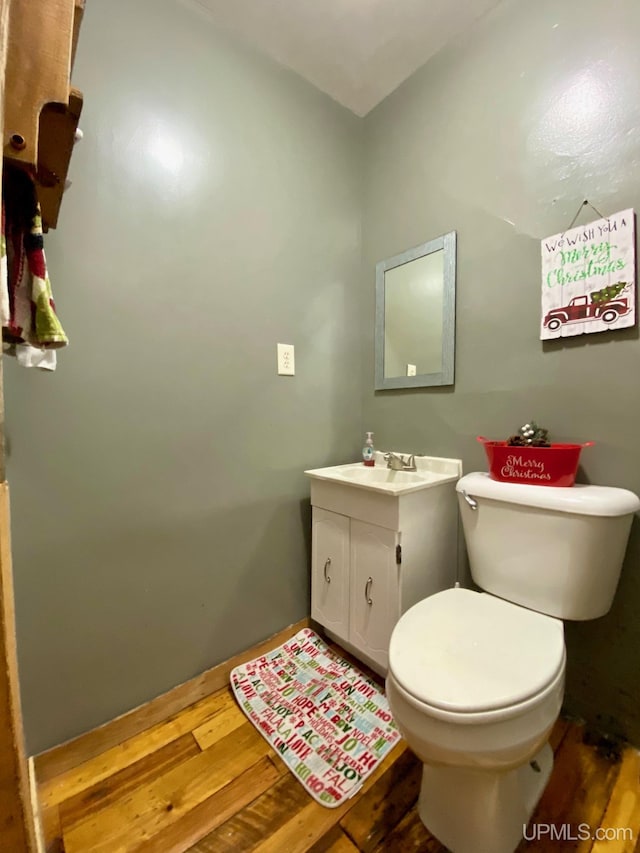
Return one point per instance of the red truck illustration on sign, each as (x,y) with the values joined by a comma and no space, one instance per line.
(580,310)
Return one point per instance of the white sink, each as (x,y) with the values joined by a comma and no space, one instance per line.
(431,471)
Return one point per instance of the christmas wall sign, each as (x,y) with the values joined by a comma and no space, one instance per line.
(588,278)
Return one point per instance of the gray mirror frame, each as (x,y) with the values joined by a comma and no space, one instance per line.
(447,243)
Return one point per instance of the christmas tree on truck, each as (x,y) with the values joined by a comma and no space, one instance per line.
(608,293)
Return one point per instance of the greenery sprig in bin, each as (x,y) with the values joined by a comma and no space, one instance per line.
(530,435)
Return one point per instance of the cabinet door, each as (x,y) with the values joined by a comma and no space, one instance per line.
(374,594)
(330,571)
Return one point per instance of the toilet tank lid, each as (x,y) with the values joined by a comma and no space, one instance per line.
(579,499)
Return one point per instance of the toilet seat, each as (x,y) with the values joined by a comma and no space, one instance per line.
(465,652)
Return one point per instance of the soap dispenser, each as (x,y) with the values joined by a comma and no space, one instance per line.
(368,451)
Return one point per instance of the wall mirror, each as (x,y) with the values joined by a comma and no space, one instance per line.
(415,316)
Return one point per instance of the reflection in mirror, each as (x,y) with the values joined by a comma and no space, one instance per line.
(412,316)
(415,316)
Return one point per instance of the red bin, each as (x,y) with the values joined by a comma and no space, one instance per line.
(534,466)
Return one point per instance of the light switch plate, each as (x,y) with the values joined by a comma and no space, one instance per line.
(411,370)
(286,360)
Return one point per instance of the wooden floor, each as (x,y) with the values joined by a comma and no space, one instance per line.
(203,780)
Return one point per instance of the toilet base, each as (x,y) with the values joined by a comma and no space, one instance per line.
(471,810)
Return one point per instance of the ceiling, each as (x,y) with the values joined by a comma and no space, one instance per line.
(357,51)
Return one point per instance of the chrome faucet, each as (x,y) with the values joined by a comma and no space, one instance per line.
(400,463)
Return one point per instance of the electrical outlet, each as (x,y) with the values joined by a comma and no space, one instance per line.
(411,370)
(286,360)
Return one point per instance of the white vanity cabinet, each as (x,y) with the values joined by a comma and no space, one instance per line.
(354,582)
(374,606)
(377,548)
(330,573)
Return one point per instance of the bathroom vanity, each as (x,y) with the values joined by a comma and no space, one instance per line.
(382,540)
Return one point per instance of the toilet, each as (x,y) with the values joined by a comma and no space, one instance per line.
(476,678)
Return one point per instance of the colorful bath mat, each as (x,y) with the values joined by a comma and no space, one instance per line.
(328,722)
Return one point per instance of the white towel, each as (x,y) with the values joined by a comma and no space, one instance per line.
(28,356)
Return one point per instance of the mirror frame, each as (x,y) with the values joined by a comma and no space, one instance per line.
(446,243)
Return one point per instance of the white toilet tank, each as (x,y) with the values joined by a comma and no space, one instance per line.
(555,550)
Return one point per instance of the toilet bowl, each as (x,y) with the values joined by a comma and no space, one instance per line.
(476,679)
(475,685)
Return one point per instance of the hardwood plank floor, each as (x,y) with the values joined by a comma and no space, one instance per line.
(201,779)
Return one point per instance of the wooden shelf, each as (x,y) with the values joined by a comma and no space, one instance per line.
(41,110)
(38,71)
(78,12)
(56,139)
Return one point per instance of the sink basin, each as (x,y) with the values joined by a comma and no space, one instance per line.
(363,474)
(431,471)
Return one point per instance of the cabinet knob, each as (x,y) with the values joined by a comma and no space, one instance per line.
(367,591)
(327,566)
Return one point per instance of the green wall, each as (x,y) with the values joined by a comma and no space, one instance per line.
(220,205)
(501,137)
(161,518)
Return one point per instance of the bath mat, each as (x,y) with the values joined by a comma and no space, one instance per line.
(328,722)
